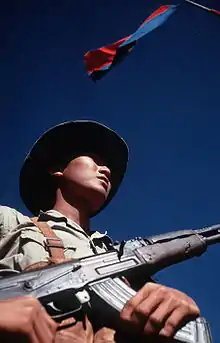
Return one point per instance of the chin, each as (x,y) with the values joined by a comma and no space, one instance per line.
(98,198)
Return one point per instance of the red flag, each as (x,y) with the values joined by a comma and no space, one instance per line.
(100,61)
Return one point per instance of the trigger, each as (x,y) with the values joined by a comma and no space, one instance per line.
(53,307)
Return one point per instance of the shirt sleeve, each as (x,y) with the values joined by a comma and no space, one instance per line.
(9,219)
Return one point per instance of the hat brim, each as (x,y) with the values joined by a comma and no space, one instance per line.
(57,145)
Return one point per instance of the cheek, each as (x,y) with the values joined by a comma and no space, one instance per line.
(80,175)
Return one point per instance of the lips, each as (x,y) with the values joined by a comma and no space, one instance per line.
(104,180)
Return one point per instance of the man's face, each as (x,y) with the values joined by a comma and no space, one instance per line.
(87,178)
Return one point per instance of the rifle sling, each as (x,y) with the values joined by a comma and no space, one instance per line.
(53,245)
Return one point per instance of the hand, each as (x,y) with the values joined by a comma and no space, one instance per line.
(72,330)
(157,309)
(23,319)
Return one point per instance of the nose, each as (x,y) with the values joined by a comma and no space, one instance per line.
(105,171)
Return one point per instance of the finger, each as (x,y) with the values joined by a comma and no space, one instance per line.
(176,320)
(143,311)
(31,336)
(146,308)
(50,322)
(129,307)
(157,318)
(23,301)
(44,327)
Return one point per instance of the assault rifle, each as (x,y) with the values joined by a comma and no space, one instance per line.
(71,287)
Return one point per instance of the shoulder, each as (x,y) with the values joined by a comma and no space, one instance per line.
(10,218)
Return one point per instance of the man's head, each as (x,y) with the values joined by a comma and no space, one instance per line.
(84,181)
(82,159)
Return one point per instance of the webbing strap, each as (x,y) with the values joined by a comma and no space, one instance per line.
(53,244)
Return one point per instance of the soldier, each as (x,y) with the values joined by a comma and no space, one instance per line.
(71,174)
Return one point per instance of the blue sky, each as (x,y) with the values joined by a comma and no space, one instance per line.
(163,99)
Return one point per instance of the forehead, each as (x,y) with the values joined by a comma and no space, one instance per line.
(100,160)
(97,158)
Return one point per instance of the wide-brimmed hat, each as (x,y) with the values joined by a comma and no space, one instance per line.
(59,145)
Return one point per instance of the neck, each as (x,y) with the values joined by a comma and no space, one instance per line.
(74,211)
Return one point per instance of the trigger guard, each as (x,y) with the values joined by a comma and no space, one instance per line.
(60,317)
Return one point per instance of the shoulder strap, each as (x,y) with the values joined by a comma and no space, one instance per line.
(53,244)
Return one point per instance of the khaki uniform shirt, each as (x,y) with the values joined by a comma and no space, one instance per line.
(22,243)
